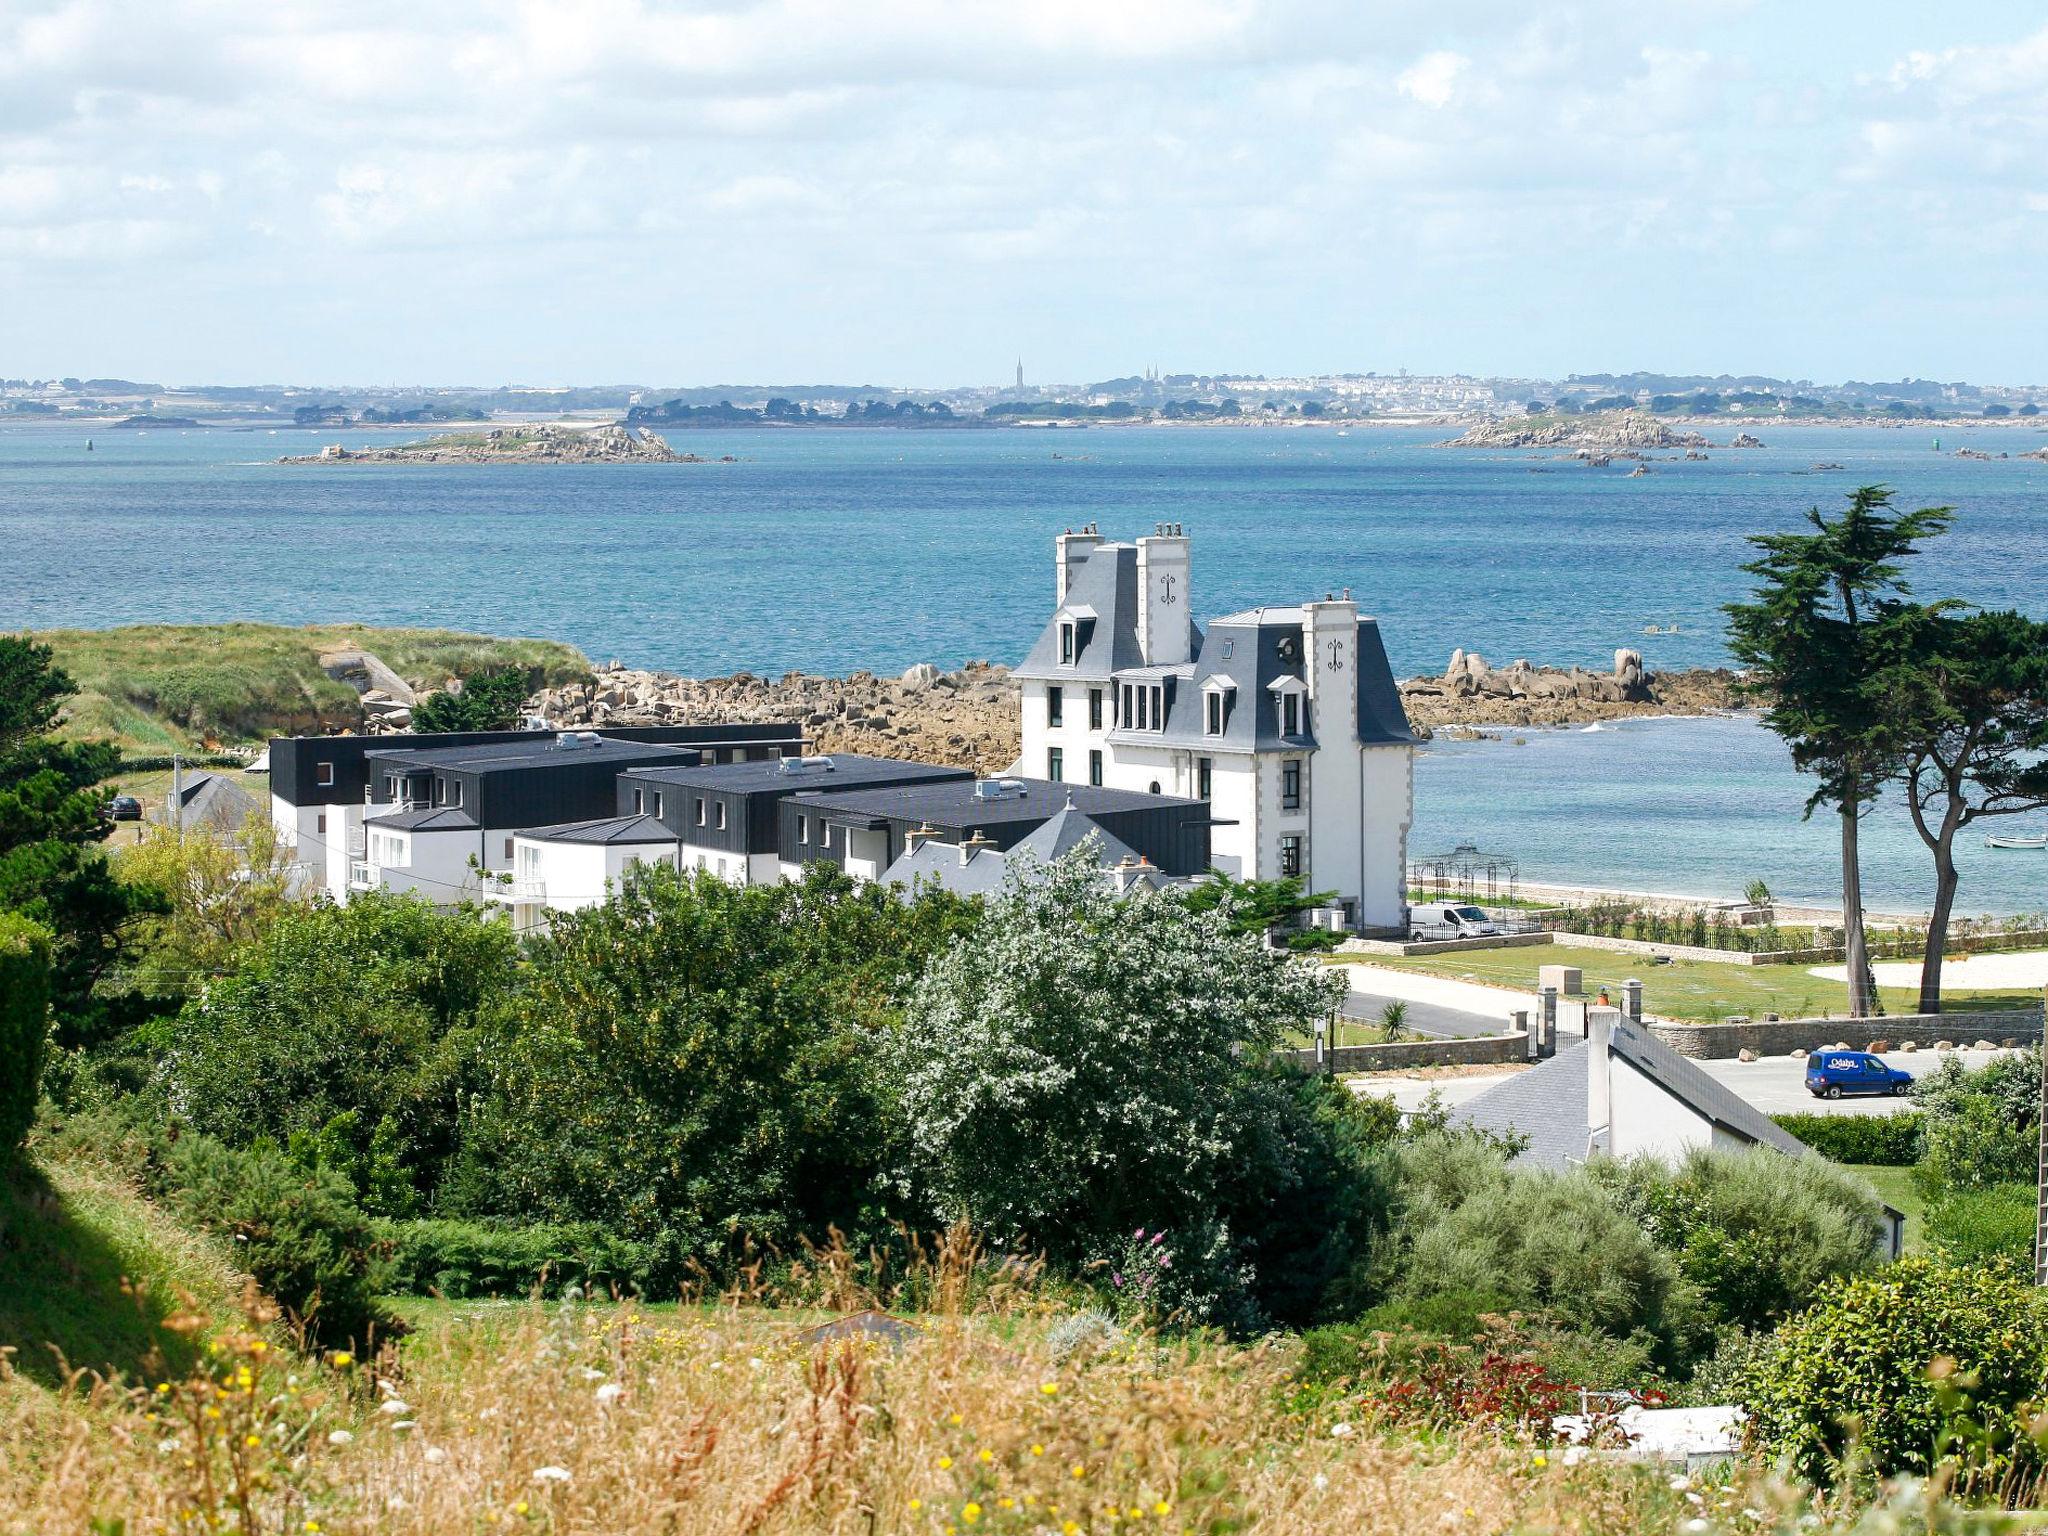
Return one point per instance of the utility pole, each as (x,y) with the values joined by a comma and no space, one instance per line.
(2041,1165)
(178,796)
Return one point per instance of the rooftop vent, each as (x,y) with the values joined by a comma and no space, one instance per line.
(999,789)
(577,739)
(804,765)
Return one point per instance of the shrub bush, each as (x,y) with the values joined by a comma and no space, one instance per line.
(298,1232)
(1916,1362)
(1975,1147)
(477,1258)
(1992,1226)
(24,1024)
(1880,1141)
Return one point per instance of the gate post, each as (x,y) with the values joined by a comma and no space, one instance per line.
(1632,1000)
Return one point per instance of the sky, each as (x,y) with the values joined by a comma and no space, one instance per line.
(924,191)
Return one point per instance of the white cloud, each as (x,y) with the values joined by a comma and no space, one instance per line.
(1433,78)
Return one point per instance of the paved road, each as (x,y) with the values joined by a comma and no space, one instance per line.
(1775,1085)
(1425,1018)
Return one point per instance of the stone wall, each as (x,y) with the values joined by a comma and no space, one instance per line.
(1718,1042)
(1440,946)
(1402,1055)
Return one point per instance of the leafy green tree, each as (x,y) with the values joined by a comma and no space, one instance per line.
(1830,621)
(694,1064)
(221,891)
(52,868)
(24,1024)
(1082,1065)
(492,701)
(1972,694)
(1916,1364)
(1254,906)
(350,1034)
(1758,1235)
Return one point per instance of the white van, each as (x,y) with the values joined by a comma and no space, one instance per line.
(1449,920)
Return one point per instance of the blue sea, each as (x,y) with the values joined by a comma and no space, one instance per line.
(830,550)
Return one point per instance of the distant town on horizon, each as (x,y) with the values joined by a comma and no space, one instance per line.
(1146,396)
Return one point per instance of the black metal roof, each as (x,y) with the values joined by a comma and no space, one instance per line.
(607,829)
(495,757)
(954,803)
(433,818)
(847,769)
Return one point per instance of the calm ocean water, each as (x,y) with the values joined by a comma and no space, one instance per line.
(830,550)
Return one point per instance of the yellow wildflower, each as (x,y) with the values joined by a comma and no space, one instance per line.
(971,1512)
(1049,1388)
(1038,1450)
(945,1463)
(1162,1509)
(917,1504)
(985,1455)
(955,1420)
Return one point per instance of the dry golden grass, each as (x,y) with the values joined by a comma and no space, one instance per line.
(737,1419)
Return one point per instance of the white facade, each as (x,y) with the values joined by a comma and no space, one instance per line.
(1265,716)
(565,875)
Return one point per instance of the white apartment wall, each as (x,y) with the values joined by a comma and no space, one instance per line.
(433,864)
(1234,796)
(867,853)
(723,862)
(1072,736)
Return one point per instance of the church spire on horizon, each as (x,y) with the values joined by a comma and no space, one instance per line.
(1020,373)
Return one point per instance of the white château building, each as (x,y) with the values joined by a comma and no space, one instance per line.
(1285,720)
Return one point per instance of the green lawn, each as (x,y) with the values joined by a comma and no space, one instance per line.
(1896,1189)
(1696,990)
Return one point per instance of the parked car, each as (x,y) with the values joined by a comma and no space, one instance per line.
(1832,1074)
(1449,920)
(124,808)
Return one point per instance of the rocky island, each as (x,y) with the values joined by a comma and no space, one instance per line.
(544,444)
(1619,432)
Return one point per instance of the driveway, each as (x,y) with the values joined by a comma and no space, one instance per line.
(1436,1005)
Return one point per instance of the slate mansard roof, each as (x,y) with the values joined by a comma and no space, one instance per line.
(1102,595)
(437,818)
(1240,651)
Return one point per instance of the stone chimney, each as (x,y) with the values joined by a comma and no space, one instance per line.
(917,836)
(1163,596)
(1600,1025)
(1071,550)
(972,844)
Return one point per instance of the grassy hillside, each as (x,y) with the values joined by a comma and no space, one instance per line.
(90,1271)
(153,687)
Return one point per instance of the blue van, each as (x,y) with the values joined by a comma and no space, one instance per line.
(1831,1074)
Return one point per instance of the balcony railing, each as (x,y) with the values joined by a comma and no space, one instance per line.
(530,890)
(361,876)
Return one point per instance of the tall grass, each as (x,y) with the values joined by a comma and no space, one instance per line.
(736,1417)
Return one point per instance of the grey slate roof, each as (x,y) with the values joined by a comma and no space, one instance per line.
(985,868)
(209,798)
(437,818)
(1066,831)
(1548,1104)
(939,864)
(606,829)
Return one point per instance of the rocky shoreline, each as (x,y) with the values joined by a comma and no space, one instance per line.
(968,718)
(515,445)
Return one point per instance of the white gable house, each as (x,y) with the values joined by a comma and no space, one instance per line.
(1285,720)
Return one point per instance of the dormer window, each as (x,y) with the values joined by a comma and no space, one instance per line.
(1212,712)
(1066,642)
(1290,714)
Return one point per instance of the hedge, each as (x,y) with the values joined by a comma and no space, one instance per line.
(1882,1141)
(24,1024)
(476,1258)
